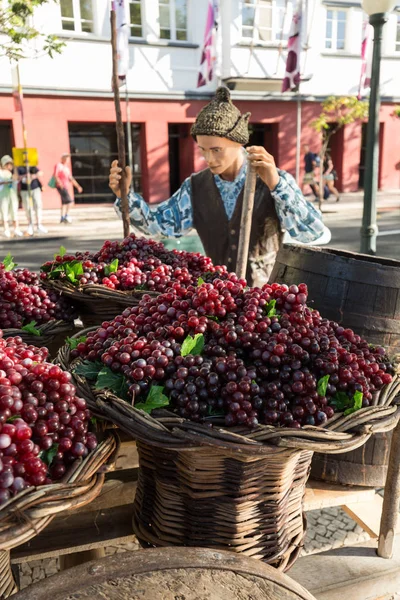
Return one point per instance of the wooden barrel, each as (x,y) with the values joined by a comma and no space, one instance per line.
(169,574)
(361,292)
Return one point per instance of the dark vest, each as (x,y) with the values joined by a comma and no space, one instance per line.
(220,236)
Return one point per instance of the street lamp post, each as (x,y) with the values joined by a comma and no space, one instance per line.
(378,11)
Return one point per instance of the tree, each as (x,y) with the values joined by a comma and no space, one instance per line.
(396,112)
(16,25)
(336,113)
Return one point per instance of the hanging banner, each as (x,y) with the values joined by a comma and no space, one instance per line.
(122,39)
(366,58)
(209,53)
(17,89)
(291,80)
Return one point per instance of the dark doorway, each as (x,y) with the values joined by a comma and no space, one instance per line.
(335,151)
(264,134)
(361,169)
(6,138)
(181,154)
(93,148)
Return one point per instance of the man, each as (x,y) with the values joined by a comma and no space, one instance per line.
(211,201)
(9,196)
(311,162)
(34,203)
(64,177)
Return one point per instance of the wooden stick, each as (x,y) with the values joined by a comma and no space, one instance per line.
(119,127)
(245,223)
(391,499)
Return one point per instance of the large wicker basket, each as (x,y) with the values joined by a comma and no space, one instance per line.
(230,488)
(97,303)
(28,513)
(52,335)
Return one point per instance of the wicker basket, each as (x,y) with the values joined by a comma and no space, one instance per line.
(28,513)
(230,488)
(97,303)
(52,335)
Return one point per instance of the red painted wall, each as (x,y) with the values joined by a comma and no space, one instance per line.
(47,124)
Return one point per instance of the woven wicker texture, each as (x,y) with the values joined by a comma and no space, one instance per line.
(28,513)
(52,335)
(97,303)
(251,505)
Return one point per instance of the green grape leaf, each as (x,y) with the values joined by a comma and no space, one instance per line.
(193,345)
(155,399)
(88,369)
(214,412)
(357,403)
(142,286)
(213,318)
(93,421)
(270,309)
(30,328)
(73,269)
(47,456)
(62,252)
(73,342)
(115,382)
(322,385)
(200,281)
(9,263)
(13,418)
(112,267)
(340,401)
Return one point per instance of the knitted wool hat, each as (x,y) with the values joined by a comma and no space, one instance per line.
(5,160)
(222,119)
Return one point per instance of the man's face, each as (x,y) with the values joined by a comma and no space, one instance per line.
(9,166)
(64,160)
(306,148)
(219,153)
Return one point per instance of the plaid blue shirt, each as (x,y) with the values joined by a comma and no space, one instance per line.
(174,217)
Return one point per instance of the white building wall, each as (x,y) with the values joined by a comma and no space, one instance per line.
(159,68)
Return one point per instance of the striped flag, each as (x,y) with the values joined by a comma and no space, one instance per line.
(366,62)
(209,53)
(291,80)
(122,39)
(17,89)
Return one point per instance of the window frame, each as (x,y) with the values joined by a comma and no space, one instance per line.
(77,19)
(334,38)
(172,22)
(276,37)
(397,33)
(142,19)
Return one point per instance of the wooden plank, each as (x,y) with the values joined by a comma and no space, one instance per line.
(350,573)
(79,532)
(320,494)
(367,514)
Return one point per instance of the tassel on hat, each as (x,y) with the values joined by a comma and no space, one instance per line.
(222,119)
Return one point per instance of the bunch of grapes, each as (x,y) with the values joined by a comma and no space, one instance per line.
(136,263)
(266,357)
(43,424)
(23,299)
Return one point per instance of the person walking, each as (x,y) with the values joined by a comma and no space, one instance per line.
(33,204)
(211,201)
(9,196)
(311,163)
(63,176)
(329,176)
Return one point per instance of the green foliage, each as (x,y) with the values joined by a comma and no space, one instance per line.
(322,385)
(396,112)
(73,342)
(9,263)
(115,382)
(155,399)
(48,456)
(15,25)
(89,369)
(193,345)
(343,403)
(342,111)
(270,309)
(30,328)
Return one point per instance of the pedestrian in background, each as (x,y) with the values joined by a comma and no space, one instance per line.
(9,196)
(32,206)
(311,163)
(63,177)
(329,177)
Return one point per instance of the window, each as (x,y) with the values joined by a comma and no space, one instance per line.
(173,19)
(135,13)
(93,148)
(77,15)
(398,33)
(266,20)
(335,33)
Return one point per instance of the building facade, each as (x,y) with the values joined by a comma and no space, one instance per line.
(69,106)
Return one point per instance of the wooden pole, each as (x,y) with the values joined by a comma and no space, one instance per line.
(391,499)
(245,223)
(119,127)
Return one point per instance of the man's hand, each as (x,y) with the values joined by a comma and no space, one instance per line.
(80,189)
(264,164)
(115,176)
